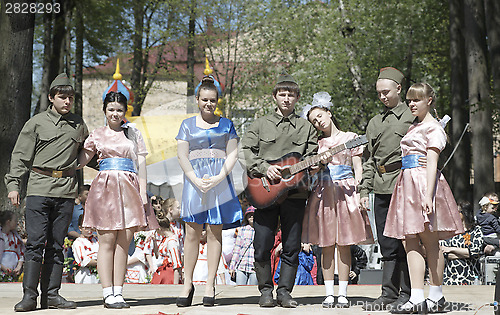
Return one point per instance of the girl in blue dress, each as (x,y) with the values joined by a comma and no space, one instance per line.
(207,152)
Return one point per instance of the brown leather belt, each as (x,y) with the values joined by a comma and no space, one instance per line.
(56,174)
(389,167)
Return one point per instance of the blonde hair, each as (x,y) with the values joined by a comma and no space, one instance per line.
(420,91)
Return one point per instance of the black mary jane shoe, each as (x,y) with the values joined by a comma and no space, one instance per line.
(123,304)
(411,308)
(209,300)
(437,307)
(186,301)
(111,305)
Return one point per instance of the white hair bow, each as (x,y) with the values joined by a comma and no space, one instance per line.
(320,99)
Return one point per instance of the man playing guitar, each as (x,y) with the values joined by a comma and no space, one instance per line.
(270,138)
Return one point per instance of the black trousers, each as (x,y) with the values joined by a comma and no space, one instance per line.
(290,214)
(390,248)
(47,221)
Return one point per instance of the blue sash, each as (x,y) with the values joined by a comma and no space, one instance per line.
(338,172)
(411,161)
(117,164)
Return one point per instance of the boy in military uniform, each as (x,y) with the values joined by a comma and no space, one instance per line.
(47,148)
(270,138)
(380,171)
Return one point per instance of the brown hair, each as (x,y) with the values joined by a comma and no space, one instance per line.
(164,222)
(420,91)
(207,83)
(5,216)
(326,110)
(61,89)
(286,86)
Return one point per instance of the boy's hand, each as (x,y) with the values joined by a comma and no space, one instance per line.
(14,198)
(365,203)
(314,169)
(274,172)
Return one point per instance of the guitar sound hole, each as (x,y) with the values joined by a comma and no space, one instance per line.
(285,174)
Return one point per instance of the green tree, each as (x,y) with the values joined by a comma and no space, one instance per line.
(479,97)
(461,162)
(156,24)
(16,53)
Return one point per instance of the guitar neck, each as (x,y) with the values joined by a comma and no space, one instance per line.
(308,162)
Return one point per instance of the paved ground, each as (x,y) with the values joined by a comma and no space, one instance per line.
(160,299)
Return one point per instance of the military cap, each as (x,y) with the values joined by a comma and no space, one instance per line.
(285,77)
(391,74)
(61,79)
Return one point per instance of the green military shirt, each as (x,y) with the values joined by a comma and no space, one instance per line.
(384,133)
(271,137)
(48,141)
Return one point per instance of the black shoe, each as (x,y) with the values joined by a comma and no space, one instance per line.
(342,305)
(30,287)
(285,300)
(50,283)
(266,286)
(27,304)
(266,299)
(380,304)
(111,305)
(122,304)
(58,302)
(410,308)
(209,300)
(436,307)
(401,300)
(186,301)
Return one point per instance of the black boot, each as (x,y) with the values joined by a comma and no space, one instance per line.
(390,287)
(30,287)
(266,286)
(50,283)
(285,286)
(405,285)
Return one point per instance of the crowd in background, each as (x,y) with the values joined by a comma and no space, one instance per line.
(157,256)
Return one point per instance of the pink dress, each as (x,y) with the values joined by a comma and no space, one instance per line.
(406,216)
(333,214)
(114,201)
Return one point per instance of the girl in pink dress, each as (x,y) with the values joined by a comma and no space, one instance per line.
(422,208)
(333,217)
(115,205)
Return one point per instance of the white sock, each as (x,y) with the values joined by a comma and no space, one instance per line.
(329,287)
(343,288)
(117,291)
(435,292)
(107,293)
(417,296)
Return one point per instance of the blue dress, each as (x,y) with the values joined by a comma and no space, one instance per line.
(220,205)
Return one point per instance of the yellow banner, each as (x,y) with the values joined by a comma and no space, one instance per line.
(159,133)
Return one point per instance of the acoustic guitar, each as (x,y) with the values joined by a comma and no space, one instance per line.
(262,192)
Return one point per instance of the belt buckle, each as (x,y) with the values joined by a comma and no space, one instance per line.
(57,174)
(381,169)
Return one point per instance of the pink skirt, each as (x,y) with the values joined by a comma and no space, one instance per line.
(114,202)
(406,216)
(333,216)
